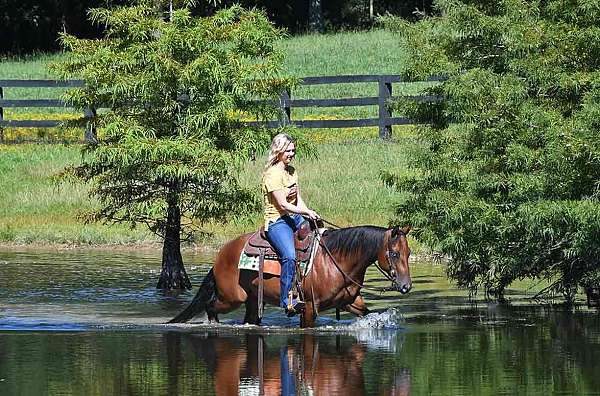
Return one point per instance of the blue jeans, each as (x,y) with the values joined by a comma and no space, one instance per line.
(281,236)
(288,380)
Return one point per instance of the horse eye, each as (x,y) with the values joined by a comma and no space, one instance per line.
(394,254)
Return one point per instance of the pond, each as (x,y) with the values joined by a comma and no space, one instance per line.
(91,323)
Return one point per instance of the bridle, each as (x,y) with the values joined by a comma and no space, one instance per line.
(389,252)
(389,255)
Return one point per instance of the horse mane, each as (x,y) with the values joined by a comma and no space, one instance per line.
(354,241)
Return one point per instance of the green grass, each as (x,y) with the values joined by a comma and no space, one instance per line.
(343,183)
(349,53)
(30,68)
(36,209)
(372,52)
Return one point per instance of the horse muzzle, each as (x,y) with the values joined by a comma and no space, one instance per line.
(403,287)
(402,284)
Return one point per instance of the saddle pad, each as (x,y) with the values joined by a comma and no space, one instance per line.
(271,267)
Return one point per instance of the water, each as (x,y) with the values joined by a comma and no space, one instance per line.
(92,323)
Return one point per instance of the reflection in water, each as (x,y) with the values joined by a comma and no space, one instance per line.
(202,363)
(281,365)
(90,324)
(558,354)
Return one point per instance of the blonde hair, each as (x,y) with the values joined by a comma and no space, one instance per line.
(279,144)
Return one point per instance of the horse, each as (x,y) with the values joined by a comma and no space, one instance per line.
(288,367)
(335,281)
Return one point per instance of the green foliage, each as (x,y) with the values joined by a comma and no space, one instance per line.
(506,177)
(176,90)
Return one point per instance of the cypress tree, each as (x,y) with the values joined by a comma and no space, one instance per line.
(177,87)
(506,172)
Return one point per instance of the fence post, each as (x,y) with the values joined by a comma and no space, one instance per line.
(385,93)
(1,116)
(286,110)
(90,128)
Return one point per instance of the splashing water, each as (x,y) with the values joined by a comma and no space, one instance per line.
(390,319)
(379,330)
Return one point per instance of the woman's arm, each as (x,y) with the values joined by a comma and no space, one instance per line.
(281,203)
(300,202)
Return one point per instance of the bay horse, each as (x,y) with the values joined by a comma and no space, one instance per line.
(282,368)
(335,280)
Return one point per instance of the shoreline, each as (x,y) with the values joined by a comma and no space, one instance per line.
(125,247)
(157,248)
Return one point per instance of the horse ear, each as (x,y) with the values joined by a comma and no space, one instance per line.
(397,230)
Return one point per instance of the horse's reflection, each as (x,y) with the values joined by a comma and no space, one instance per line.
(276,365)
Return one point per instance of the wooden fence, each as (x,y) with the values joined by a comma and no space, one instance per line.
(384,121)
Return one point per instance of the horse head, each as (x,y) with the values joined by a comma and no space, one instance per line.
(393,258)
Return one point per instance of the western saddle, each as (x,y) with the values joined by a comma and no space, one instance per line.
(259,244)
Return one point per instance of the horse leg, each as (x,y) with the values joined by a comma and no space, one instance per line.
(251,316)
(358,307)
(212,314)
(227,301)
(230,300)
(308,316)
(230,295)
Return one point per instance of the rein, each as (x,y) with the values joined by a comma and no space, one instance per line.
(330,223)
(362,286)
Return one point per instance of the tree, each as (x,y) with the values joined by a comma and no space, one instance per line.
(169,149)
(506,177)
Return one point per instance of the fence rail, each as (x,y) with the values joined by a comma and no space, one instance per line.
(384,121)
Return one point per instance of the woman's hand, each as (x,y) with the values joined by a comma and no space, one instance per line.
(312,215)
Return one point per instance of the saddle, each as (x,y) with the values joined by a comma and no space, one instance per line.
(259,255)
(259,244)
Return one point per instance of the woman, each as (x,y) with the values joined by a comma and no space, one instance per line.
(284,209)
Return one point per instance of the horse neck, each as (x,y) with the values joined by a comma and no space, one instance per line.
(359,251)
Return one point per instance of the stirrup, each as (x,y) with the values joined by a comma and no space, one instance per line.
(295,308)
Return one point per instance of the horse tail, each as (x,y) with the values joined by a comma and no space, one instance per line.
(202,299)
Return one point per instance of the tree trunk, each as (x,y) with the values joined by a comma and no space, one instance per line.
(173,275)
(315,16)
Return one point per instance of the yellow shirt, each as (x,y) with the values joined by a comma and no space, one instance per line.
(275,179)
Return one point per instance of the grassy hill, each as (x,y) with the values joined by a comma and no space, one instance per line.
(343,183)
